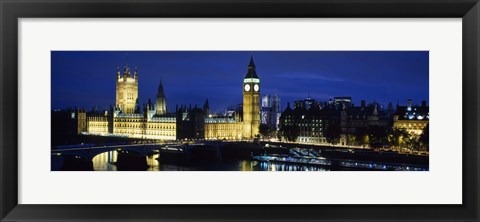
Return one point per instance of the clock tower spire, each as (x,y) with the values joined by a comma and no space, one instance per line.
(251,102)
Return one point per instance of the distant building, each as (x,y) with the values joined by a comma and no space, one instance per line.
(412,118)
(307,104)
(271,111)
(230,111)
(343,101)
(310,118)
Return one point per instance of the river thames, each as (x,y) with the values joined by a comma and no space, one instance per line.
(108,161)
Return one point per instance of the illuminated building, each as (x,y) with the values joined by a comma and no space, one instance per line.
(161,127)
(251,102)
(224,128)
(126,90)
(412,118)
(97,123)
(126,120)
(236,124)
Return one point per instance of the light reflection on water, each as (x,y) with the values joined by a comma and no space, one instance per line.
(107,162)
(269,166)
(152,162)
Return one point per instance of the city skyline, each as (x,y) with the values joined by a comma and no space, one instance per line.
(127,137)
(83,79)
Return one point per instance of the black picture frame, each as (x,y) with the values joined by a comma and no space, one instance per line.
(11,11)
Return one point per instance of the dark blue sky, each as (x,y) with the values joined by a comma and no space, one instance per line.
(87,78)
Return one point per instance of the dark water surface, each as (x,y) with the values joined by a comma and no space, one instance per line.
(107,162)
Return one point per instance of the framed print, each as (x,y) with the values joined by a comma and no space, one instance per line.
(252,111)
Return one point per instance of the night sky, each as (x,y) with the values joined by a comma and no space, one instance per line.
(87,78)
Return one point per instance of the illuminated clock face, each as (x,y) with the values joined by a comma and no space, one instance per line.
(247,87)
(256,87)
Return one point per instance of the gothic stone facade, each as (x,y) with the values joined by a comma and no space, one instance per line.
(126,120)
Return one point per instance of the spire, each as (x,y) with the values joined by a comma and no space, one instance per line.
(206,104)
(206,109)
(126,71)
(137,106)
(251,74)
(118,72)
(135,72)
(148,104)
(251,64)
(160,90)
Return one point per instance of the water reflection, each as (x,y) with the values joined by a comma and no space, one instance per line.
(105,161)
(269,166)
(108,162)
(153,163)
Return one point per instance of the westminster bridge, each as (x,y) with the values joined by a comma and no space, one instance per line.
(89,151)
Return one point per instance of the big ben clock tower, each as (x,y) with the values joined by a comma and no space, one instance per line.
(251,102)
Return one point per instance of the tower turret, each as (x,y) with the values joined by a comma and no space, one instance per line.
(137,106)
(206,109)
(126,71)
(251,102)
(161,100)
(126,91)
(149,110)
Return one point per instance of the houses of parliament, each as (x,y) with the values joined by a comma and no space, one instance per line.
(154,122)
